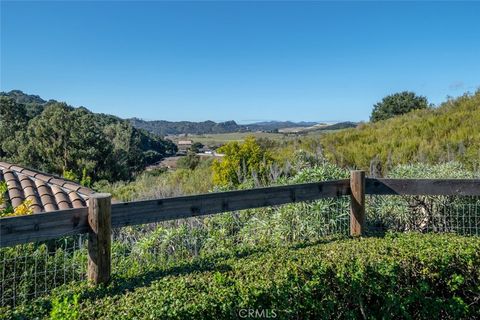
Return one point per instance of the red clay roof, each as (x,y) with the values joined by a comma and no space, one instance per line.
(47,192)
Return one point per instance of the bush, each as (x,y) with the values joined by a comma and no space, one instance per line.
(65,309)
(190,161)
(241,162)
(419,276)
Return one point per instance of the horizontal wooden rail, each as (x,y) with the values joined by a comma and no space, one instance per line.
(140,212)
(430,187)
(51,225)
(42,226)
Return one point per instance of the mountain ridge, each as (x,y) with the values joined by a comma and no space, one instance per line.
(35,105)
(164,127)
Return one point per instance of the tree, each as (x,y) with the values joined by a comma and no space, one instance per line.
(13,119)
(397,104)
(63,138)
(57,138)
(196,147)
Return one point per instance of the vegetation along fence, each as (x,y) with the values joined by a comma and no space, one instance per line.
(101,217)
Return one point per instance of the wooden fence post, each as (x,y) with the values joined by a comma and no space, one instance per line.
(99,237)
(357,206)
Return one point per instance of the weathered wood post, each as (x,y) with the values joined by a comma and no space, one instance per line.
(357,206)
(99,238)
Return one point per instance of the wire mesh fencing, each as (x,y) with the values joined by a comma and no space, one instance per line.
(150,245)
(34,269)
(458,214)
(31,270)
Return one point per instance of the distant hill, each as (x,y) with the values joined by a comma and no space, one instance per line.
(320,127)
(276,125)
(449,132)
(162,127)
(55,137)
(24,98)
(34,104)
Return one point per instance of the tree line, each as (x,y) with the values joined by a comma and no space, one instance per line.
(74,142)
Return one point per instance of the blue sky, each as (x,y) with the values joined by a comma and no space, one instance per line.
(244,61)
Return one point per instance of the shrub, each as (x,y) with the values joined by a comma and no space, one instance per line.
(190,161)
(240,162)
(424,213)
(65,309)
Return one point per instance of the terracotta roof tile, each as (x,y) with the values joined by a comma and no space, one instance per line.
(9,176)
(15,191)
(85,191)
(43,177)
(46,192)
(30,193)
(51,207)
(56,181)
(76,200)
(16,168)
(29,172)
(71,186)
(46,196)
(61,198)
(5,165)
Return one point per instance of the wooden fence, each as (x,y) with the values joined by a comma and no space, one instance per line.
(101,216)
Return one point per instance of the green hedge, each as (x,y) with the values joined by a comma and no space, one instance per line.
(417,276)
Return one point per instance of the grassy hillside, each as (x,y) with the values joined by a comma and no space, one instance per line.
(450,132)
(401,276)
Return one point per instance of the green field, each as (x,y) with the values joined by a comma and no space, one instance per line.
(217,139)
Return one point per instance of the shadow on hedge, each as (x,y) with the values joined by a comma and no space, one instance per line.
(212,263)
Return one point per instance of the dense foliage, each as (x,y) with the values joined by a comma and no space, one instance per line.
(447,133)
(397,104)
(57,138)
(241,161)
(415,276)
